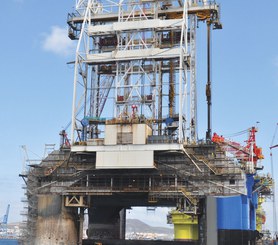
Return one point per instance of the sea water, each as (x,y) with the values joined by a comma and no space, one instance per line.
(9,242)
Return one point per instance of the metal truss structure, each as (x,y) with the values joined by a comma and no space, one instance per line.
(136,59)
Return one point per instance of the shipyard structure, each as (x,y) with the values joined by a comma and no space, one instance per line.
(133,138)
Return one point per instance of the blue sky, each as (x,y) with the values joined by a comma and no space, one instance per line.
(36,91)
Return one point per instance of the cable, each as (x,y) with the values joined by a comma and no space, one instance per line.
(273,184)
(237,134)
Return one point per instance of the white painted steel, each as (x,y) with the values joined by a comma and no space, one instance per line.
(76,71)
(193,81)
(124,159)
(183,74)
(110,135)
(140,133)
(128,55)
(131,26)
(141,148)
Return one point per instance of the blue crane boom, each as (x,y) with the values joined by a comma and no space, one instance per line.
(6,216)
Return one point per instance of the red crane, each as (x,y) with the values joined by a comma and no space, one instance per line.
(248,155)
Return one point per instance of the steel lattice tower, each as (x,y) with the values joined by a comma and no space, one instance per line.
(135,57)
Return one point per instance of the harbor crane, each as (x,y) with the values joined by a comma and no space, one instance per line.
(4,221)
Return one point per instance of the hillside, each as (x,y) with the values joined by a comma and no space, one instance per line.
(135,225)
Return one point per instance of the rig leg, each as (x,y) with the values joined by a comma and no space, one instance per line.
(105,223)
(185,226)
(56,224)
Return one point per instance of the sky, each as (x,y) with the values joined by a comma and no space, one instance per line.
(37,84)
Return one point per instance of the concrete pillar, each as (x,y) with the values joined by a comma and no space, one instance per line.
(105,223)
(56,224)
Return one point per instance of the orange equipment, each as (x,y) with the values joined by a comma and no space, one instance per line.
(248,153)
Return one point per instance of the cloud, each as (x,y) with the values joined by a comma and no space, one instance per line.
(58,42)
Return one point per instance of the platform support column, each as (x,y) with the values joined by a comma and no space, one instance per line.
(105,223)
(185,226)
(56,224)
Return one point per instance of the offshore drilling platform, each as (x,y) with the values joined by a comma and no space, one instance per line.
(133,139)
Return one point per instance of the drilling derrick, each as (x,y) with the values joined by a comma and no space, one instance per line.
(133,139)
(126,53)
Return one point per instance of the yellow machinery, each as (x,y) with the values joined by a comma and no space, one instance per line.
(260,215)
(185,226)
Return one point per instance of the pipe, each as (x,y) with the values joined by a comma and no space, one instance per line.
(81,221)
(208,86)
